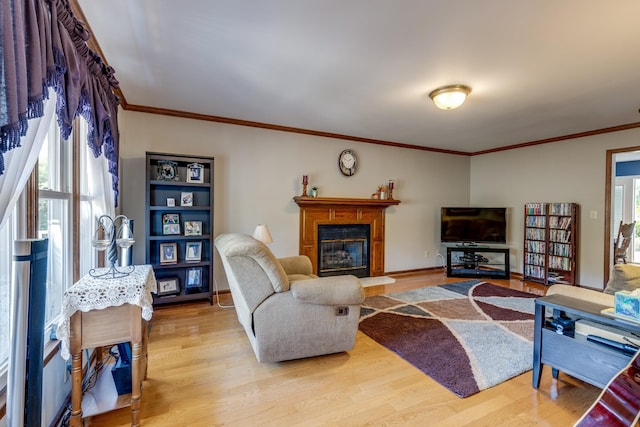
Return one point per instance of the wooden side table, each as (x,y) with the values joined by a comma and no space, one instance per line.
(98,328)
(101,312)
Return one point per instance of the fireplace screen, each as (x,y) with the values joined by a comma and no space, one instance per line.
(343,249)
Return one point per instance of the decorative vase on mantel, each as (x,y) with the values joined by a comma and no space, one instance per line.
(314,192)
(382,192)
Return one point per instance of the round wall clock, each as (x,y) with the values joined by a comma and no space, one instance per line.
(348,162)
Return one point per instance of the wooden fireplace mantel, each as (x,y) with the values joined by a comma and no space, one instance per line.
(316,211)
(336,201)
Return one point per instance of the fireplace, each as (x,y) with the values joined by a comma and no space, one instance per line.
(343,249)
(318,212)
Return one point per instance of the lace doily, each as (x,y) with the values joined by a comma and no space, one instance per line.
(91,293)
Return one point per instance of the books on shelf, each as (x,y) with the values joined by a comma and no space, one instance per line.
(562,222)
(560,235)
(560,209)
(549,242)
(535,233)
(560,249)
(535,208)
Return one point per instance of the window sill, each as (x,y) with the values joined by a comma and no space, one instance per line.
(50,349)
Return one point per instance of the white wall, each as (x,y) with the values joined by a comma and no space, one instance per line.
(259,171)
(568,171)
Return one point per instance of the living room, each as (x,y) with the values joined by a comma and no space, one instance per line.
(258,171)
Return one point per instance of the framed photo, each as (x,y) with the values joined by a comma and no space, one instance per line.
(167,171)
(171,223)
(193,228)
(193,278)
(168,253)
(193,251)
(195,172)
(168,286)
(186,198)
(171,202)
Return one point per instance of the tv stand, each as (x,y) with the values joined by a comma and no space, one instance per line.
(478,261)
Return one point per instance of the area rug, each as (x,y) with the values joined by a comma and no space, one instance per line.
(467,336)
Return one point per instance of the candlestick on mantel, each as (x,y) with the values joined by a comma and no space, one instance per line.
(390,189)
(305,182)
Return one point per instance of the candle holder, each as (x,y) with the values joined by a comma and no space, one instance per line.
(390,189)
(305,182)
(106,237)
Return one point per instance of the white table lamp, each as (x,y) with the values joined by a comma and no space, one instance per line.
(262,233)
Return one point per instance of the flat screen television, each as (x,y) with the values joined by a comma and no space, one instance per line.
(473,225)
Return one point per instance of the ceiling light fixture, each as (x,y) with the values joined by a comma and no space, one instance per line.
(450,97)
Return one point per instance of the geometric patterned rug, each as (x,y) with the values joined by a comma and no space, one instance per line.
(467,336)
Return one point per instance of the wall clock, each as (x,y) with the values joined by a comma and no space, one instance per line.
(348,162)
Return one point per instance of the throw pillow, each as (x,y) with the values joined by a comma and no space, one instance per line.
(625,277)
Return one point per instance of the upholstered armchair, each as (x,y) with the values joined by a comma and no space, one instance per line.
(624,277)
(286,311)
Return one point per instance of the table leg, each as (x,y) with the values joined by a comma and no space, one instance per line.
(555,372)
(99,358)
(136,354)
(537,344)
(145,344)
(76,390)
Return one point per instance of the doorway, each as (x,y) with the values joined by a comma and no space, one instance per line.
(622,200)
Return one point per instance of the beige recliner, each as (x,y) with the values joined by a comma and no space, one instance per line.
(624,277)
(286,311)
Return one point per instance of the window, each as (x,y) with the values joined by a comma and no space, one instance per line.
(56,222)
(54,217)
(7,233)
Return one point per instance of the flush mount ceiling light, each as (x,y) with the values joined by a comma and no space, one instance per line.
(450,97)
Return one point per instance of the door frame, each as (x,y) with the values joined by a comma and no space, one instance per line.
(608,207)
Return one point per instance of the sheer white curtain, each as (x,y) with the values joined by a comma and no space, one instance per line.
(96,199)
(98,181)
(19,163)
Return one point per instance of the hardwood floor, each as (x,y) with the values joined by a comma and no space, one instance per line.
(203,372)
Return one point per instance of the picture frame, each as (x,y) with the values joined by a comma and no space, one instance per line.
(171,223)
(193,228)
(167,171)
(193,278)
(169,253)
(195,173)
(193,251)
(186,198)
(171,202)
(168,286)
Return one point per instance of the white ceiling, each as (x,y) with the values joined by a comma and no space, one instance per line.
(538,68)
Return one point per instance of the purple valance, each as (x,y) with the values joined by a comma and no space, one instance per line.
(42,45)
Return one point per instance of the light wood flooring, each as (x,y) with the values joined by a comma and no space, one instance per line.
(203,372)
